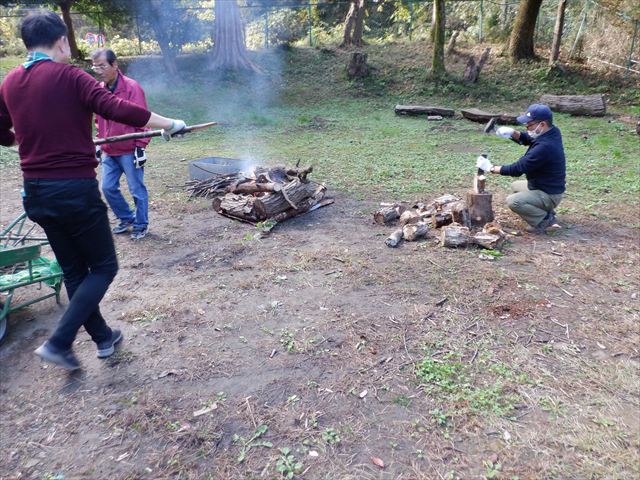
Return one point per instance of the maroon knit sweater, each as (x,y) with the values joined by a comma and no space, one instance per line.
(50,106)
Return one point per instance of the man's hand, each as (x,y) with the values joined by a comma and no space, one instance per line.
(176,127)
(139,157)
(98,153)
(483,163)
(504,132)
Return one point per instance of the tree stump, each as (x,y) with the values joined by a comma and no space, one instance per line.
(480,209)
(472,71)
(358,67)
(588,105)
(454,236)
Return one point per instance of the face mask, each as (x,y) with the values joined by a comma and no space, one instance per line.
(536,133)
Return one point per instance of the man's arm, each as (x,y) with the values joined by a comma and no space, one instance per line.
(7,137)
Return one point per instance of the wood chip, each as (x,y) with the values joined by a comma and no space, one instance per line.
(205,410)
(363,393)
(377,462)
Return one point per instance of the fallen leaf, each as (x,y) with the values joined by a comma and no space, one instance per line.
(377,462)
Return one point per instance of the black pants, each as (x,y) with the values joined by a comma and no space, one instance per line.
(74,217)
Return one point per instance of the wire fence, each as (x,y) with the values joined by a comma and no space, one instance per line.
(592,33)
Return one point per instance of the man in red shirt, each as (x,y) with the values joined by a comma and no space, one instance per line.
(126,157)
(46,106)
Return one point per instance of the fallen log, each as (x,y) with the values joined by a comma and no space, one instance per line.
(587,105)
(389,214)
(253,187)
(489,241)
(480,208)
(414,231)
(394,239)
(239,206)
(292,194)
(413,110)
(440,219)
(454,236)
(480,116)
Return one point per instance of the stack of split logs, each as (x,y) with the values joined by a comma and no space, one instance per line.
(274,194)
(460,222)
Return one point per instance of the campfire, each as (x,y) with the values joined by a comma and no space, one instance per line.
(262,195)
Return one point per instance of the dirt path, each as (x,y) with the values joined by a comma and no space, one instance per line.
(526,365)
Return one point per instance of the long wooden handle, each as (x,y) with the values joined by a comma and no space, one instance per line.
(152,133)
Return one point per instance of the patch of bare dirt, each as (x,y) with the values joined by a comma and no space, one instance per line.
(314,331)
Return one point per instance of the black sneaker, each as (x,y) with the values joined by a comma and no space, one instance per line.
(138,233)
(544,225)
(106,348)
(123,227)
(66,360)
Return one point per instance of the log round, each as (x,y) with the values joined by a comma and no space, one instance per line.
(454,236)
(414,231)
(480,208)
(394,239)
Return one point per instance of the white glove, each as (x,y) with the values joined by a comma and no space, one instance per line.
(139,157)
(176,127)
(483,163)
(504,132)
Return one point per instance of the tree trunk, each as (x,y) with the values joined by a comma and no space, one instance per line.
(354,25)
(521,44)
(65,8)
(473,69)
(357,67)
(437,65)
(557,32)
(451,46)
(229,49)
(160,23)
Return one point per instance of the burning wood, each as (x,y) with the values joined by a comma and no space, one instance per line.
(276,193)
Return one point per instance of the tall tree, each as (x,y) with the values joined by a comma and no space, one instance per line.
(521,45)
(65,8)
(557,32)
(354,24)
(229,47)
(439,19)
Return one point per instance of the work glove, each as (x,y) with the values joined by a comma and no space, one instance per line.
(176,127)
(139,157)
(99,153)
(483,163)
(504,132)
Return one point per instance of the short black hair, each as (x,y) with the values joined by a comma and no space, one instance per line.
(109,55)
(42,29)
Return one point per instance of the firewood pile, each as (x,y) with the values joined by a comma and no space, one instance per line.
(273,194)
(448,217)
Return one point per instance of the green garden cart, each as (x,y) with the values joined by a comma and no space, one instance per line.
(22,264)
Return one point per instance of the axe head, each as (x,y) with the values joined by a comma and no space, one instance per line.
(490,126)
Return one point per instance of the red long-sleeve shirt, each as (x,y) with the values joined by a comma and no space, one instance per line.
(128,89)
(50,105)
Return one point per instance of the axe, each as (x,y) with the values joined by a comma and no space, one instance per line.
(491,125)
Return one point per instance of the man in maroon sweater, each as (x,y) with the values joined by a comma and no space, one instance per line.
(46,106)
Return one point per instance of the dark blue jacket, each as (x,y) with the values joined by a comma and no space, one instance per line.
(543,164)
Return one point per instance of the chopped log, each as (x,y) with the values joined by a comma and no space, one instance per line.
(408,217)
(472,71)
(479,183)
(454,236)
(494,228)
(480,209)
(253,187)
(414,231)
(588,105)
(441,203)
(394,239)
(358,67)
(460,214)
(440,219)
(386,215)
(308,205)
(480,116)
(488,240)
(451,46)
(420,110)
(240,206)
(271,204)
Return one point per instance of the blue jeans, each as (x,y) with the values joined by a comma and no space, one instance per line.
(112,170)
(74,217)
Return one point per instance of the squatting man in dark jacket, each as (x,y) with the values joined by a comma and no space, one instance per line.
(46,107)
(535,198)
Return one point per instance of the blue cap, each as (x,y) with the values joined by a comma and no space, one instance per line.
(536,113)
